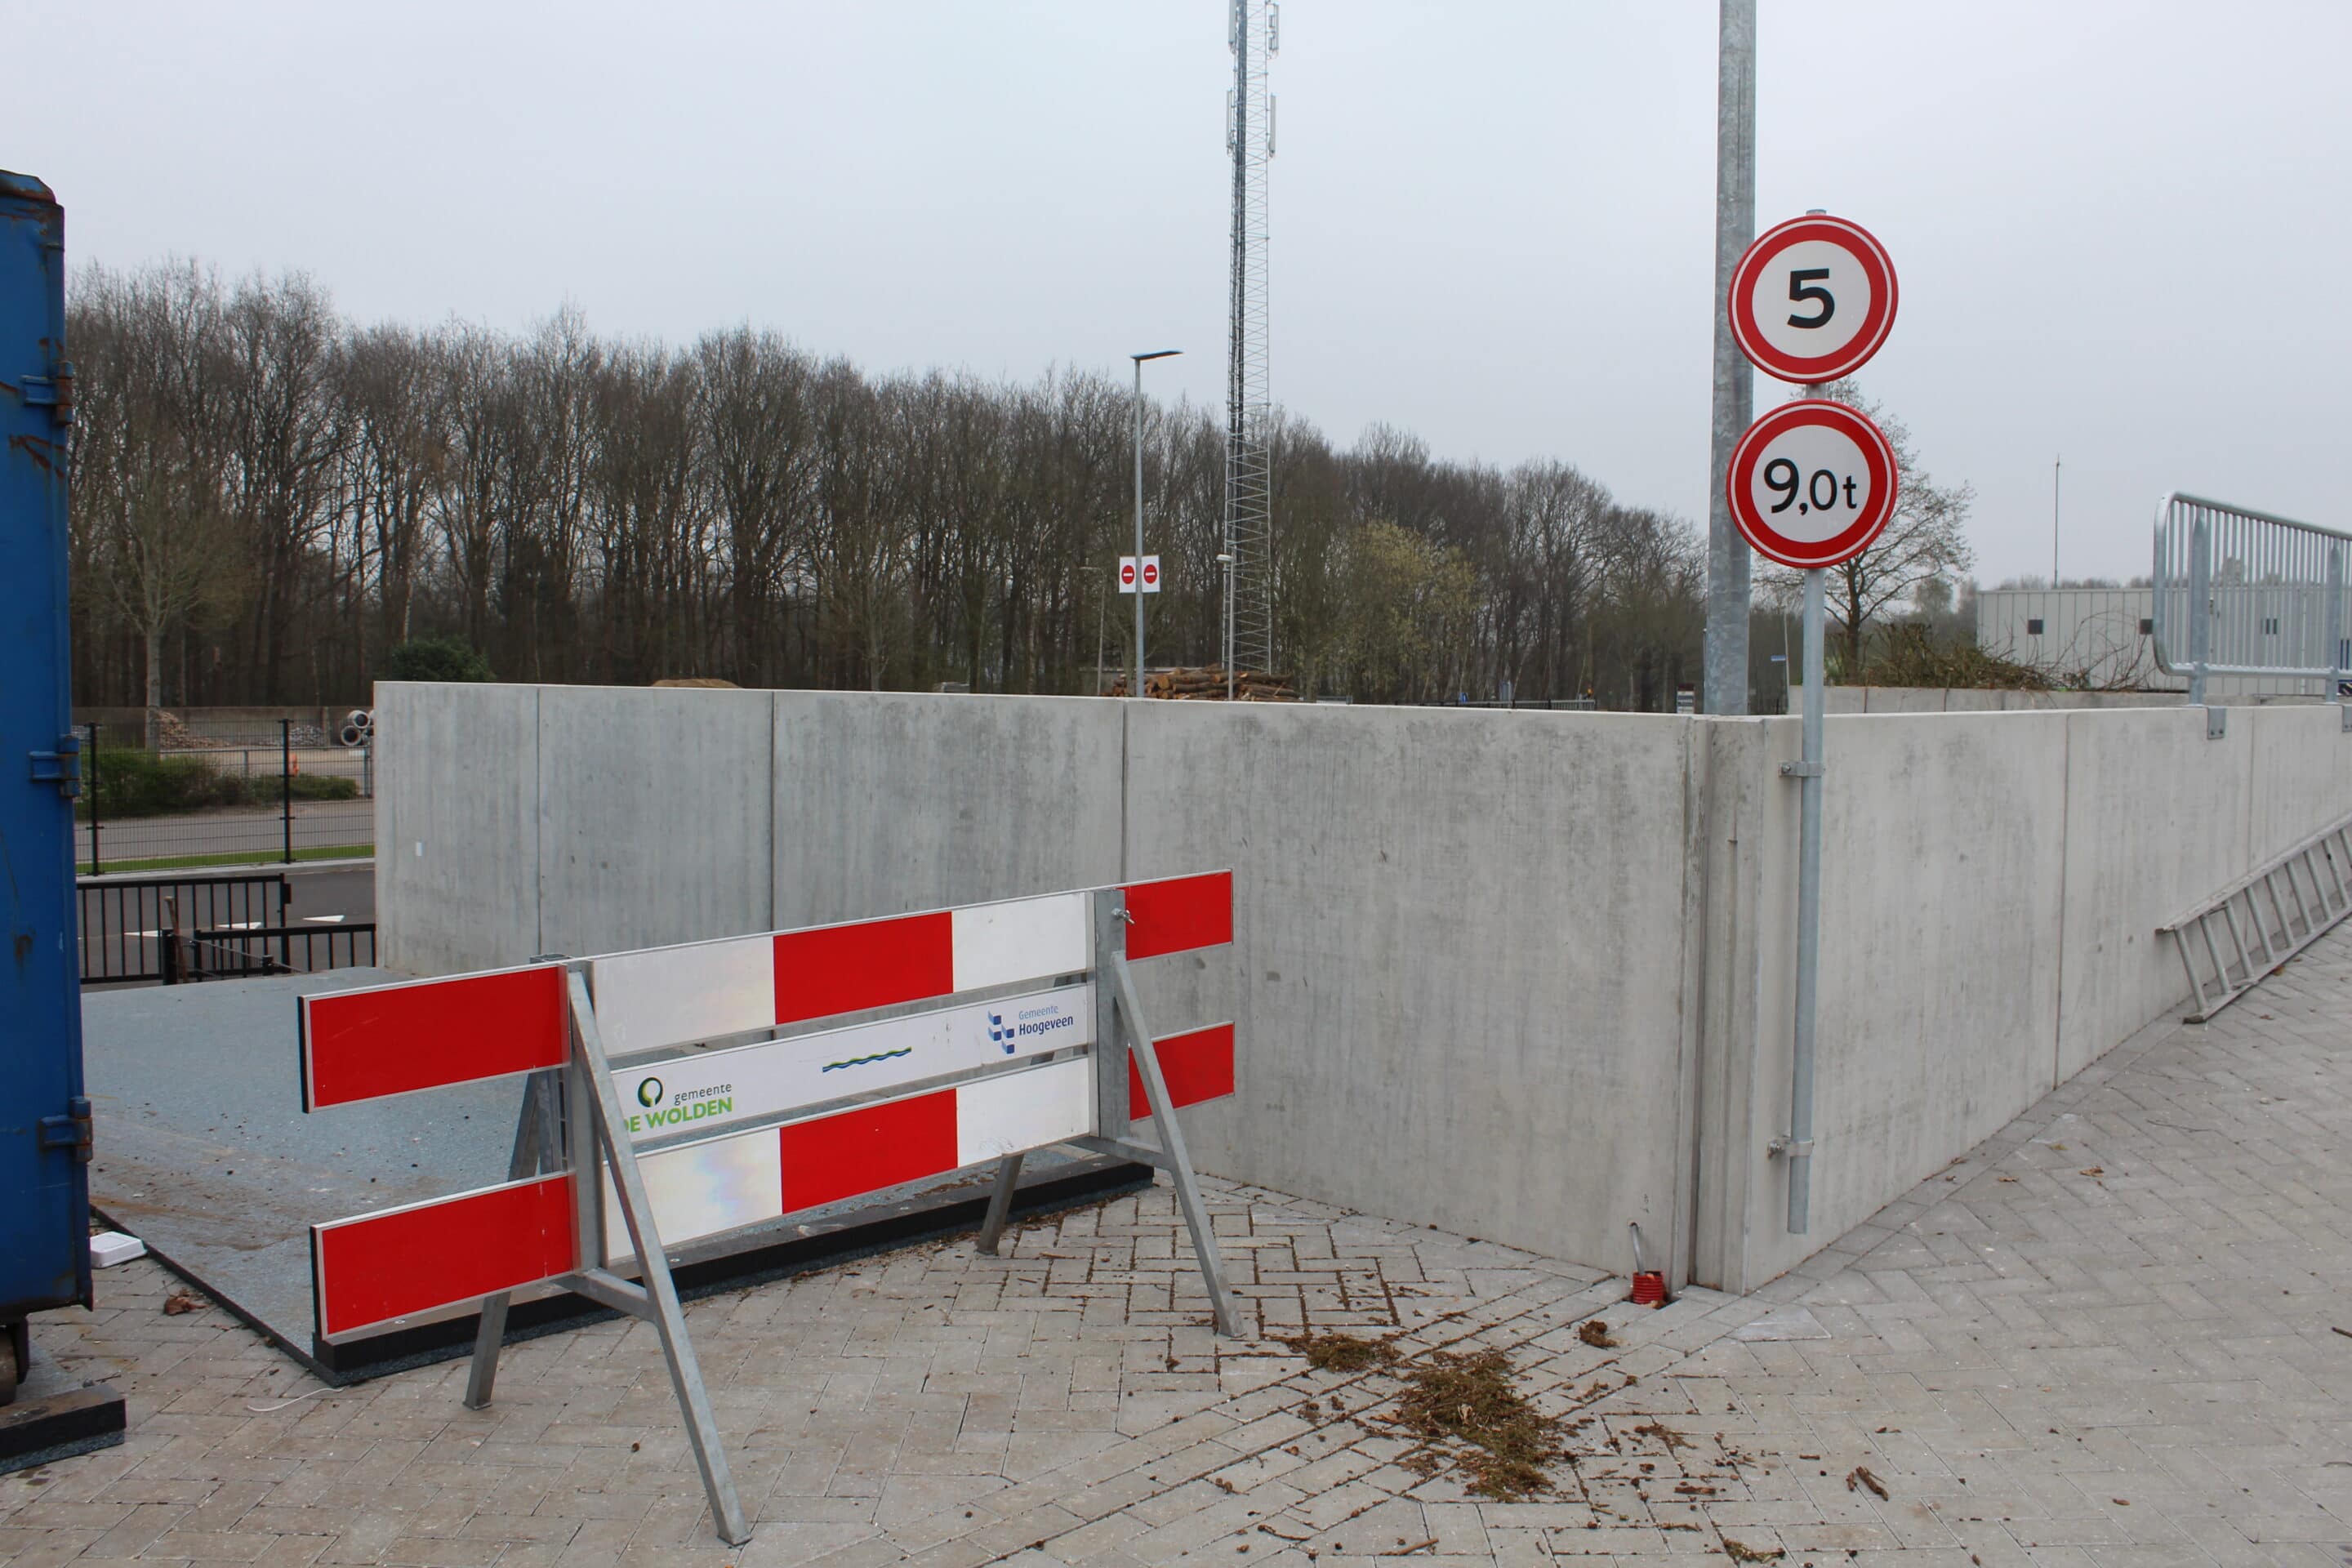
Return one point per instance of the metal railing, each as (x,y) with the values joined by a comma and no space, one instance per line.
(2239,591)
(125,925)
(241,954)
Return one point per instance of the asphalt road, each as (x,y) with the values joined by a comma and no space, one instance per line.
(319,896)
(318,824)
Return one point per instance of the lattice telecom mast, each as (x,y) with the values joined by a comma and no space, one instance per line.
(1256,34)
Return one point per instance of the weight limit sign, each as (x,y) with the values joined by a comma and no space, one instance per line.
(1813,299)
(1811,484)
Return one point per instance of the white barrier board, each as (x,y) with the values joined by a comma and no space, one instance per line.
(724,1183)
(712,1089)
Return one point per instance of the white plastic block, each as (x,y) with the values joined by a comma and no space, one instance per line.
(108,1247)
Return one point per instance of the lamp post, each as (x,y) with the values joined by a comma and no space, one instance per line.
(1102,605)
(1135,687)
(1225,560)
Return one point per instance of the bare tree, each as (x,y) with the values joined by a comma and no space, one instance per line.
(1924,542)
(578,507)
(149,456)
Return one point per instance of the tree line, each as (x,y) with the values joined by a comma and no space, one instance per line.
(268,498)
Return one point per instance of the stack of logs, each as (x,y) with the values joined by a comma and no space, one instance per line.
(1206,683)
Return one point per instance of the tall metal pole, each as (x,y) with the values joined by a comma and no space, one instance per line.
(1135,685)
(1808,906)
(286,783)
(1734,227)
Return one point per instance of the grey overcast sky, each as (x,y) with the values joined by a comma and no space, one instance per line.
(2114,224)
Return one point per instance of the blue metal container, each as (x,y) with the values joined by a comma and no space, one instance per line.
(44,1115)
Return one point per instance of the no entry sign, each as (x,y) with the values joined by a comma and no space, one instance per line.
(1126,573)
(1813,299)
(1811,484)
(1151,574)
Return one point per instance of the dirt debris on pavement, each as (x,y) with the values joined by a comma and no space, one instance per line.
(1861,1477)
(1464,1406)
(1341,1352)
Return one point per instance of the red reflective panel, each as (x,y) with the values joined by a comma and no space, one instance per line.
(847,968)
(396,1040)
(1198,1066)
(376,1268)
(865,1150)
(1180,913)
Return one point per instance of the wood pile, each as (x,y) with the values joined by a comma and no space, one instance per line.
(1206,683)
(173,735)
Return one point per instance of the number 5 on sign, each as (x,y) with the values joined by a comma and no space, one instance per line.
(1811,484)
(1813,299)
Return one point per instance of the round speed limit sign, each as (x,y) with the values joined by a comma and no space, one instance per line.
(1813,299)
(1811,484)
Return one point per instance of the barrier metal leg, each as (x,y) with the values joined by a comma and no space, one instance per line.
(535,1129)
(1000,1204)
(1179,1164)
(657,1302)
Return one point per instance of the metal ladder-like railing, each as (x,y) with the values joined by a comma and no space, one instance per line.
(2252,926)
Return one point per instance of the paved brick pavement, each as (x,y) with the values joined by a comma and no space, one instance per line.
(2110,1337)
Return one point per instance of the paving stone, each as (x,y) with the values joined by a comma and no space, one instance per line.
(2128,1369)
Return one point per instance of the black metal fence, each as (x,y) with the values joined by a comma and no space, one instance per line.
(221,798)
(177,929)
(250,954)
(124,924)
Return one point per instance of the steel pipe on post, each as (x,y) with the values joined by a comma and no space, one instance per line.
(2335,618)
(1808,906)
(2200,606)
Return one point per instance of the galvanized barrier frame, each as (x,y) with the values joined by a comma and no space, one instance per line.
(2280,564)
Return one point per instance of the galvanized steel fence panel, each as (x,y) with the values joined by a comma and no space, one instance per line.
(2272,592)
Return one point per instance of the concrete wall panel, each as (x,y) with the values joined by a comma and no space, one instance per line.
(890,802)
(1459,952)
(1940,910)
(2302,762)
(456,825)
(654,816)
(2156,818)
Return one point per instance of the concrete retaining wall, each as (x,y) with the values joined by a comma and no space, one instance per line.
(1523,975)
(2236,690)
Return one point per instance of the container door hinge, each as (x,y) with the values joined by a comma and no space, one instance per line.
(62,767)
(55,393)
(1801,770)
(70,1130)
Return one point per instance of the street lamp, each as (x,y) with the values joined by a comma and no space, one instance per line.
(1135,687)
(1225,560)
(1102,603)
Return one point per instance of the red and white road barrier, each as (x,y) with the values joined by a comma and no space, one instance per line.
(998,1048)
(732,1139)
(398,1039)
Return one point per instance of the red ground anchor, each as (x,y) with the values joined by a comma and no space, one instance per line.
(1649,1284)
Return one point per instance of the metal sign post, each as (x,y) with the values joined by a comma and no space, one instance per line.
(1812,485)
